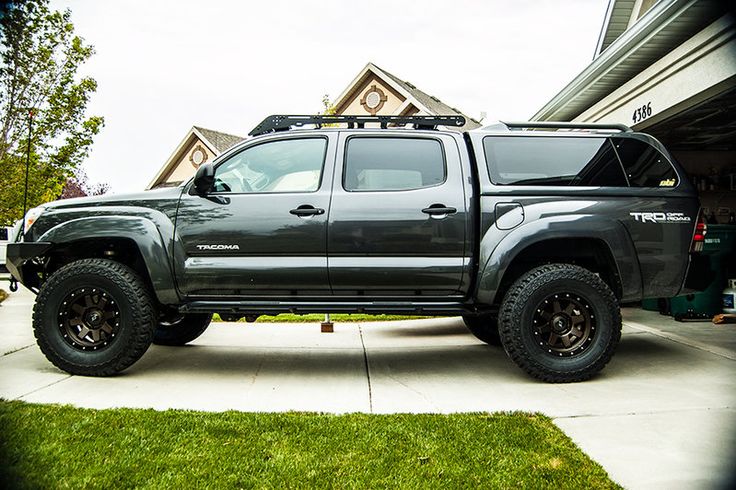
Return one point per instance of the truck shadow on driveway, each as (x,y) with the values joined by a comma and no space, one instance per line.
(452,353)
(434,368)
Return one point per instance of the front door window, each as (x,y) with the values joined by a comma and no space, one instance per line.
(293,165)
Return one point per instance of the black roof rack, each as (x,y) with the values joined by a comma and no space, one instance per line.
(565,125)
(286,122)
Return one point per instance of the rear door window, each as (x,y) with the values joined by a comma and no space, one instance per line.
(645,166)
(393,164)
(553,161)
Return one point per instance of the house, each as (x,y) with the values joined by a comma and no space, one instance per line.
(374,91)
(199,145)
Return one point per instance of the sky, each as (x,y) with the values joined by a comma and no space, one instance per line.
(164,66)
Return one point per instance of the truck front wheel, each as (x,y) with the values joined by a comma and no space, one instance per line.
(560,323)
(182,329)
(94,317)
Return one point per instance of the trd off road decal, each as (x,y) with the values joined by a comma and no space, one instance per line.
(660,217)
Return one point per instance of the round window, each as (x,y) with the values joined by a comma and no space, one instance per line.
(373,99)
(198,156)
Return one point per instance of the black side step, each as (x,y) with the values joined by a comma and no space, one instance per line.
(376,307)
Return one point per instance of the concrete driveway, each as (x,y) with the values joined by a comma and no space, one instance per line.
(661,415)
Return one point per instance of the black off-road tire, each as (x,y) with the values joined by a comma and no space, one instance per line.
(127,302)
(484,327)
(532,299)
(181,330)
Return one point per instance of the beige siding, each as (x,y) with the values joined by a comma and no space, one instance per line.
(392,103)
(184,168)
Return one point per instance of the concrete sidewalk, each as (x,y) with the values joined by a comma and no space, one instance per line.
(660,415)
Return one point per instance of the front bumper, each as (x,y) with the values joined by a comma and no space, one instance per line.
(19,254)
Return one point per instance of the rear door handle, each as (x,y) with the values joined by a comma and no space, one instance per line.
(437,209)
(307,210)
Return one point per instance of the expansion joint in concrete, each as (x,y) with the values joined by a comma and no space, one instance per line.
(367,369)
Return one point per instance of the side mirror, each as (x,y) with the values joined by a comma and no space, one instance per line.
(204,179)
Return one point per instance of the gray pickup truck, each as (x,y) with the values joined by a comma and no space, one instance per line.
(535,233)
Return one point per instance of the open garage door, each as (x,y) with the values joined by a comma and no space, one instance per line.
(703,139)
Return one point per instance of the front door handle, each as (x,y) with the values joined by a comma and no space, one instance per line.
(307,210)
(438,209)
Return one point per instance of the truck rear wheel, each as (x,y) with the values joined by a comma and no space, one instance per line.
(560,323)
(93,317)
(182,329)
(484,327)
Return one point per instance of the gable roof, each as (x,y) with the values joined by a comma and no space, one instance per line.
(426,103)
(220,141)
(216,141)
(616,22)
(661,29)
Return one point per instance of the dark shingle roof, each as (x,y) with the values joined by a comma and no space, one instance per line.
(221,141)
(432,103)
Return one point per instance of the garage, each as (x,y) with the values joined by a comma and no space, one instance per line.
(668,68)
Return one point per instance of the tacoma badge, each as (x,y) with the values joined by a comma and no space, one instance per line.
(218,247)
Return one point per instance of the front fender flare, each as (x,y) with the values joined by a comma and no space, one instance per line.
(143,232)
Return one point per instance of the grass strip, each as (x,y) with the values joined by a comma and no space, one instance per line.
(49,446)
(335,318)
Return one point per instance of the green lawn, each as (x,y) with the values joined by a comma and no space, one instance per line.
(47,446)
(335,318)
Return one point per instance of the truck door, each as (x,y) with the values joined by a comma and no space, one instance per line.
(263,230)
(398,221)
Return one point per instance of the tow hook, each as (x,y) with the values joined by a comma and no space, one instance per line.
(13,285)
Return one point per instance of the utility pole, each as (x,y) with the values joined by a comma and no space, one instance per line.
(28,166)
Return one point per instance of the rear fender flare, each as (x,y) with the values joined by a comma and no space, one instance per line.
(498,249)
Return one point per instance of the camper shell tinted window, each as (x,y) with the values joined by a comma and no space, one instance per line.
(645,166)
(553,161)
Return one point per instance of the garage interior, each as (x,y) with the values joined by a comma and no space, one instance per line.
(703,140)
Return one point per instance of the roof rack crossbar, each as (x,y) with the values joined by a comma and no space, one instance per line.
(285,122)
(565,125)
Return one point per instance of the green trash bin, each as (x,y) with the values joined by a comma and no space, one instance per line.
(650,304)
(720,244)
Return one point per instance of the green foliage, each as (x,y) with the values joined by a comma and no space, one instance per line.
(328,108)
(78,186)
(40,57)
(318,317)
(44,446)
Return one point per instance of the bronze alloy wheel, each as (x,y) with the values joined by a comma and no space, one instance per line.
(560,323)
(89,318)
(94,317)
(564,324)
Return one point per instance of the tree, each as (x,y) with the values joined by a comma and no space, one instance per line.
(40,57)
(79,186)
(328,107)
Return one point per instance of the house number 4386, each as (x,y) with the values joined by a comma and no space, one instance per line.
(643,112)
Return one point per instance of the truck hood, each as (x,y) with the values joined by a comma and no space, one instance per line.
(116,199)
